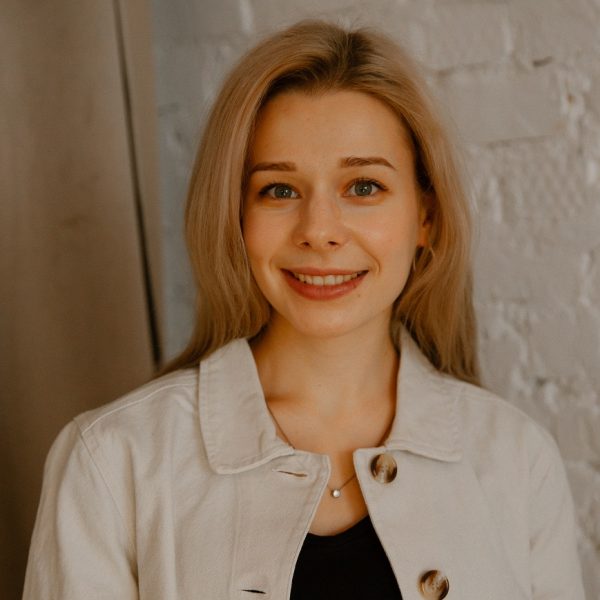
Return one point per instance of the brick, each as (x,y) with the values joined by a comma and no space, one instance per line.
(552,28)
(588,65)
(180,20)
(593,94)
(544,196)
(401,21)
(542,279)
(578,432)
(175,64)
(590,275)
(466,34)
(502,348)
(586,352)
(268,15)
(499,106)
(566,338)
(553,337)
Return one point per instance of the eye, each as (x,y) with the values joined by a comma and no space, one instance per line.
(278,190)
(365,187)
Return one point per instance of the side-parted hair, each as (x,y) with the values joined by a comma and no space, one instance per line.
(317,57)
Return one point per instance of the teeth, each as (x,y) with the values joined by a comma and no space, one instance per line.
(325,280)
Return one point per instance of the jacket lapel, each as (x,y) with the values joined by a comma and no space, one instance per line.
(426,421)
(237,429)
(239,433)
(434,515)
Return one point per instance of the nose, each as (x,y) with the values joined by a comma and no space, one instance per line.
(320,223)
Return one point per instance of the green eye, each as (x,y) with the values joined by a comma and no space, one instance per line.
(278,190)
(282,191)
(364,188)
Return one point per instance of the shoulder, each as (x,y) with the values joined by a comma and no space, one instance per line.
(496,430)
(136,438)
(141,427)
(148,405)
(518,470)
(481,408)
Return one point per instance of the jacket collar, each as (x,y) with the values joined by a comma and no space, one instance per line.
(239,433)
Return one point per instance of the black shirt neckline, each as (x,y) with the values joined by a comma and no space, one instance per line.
(359,530)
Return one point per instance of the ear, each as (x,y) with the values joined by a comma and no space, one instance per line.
(426,207)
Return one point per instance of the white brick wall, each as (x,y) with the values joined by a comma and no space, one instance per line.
(463,34)
(553,28)
(520,80)
(503,104)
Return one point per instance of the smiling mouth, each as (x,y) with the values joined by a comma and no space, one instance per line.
(325,280)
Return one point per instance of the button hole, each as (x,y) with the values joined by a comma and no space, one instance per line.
(254,591)
(290,473)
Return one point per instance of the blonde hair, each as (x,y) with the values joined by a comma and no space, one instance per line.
(315,56)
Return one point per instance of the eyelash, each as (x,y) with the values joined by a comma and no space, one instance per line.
(264,191)
(374,182)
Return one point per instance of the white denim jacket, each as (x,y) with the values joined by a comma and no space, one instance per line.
(182,490)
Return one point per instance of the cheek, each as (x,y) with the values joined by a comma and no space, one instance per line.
(394,238)
(262,239)
(255,253)
(253,232)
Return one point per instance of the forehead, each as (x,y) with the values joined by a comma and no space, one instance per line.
(328,125)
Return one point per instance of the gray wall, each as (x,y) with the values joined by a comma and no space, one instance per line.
(521,81)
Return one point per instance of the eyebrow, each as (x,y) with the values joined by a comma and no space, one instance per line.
(273,166)
(349,161)
(363,161)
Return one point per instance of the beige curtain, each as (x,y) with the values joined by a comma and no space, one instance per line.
(79,250)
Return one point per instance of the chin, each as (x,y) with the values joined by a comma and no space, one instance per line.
(325,333)
(329,328)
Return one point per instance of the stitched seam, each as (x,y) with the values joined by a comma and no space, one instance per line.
(237,520)
(112,497)
(206,412)
(204,408)
(453,425)
(254,461)
(408,443)
(133,403)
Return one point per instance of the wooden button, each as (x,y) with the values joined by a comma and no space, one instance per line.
(383,468)
(434,585)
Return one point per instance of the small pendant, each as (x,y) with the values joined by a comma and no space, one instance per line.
(336,493)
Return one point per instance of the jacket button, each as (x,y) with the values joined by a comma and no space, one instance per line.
(383,468)
(434,585)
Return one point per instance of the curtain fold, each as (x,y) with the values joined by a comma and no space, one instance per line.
(79,246)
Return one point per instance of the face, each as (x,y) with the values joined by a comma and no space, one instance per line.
(332,213)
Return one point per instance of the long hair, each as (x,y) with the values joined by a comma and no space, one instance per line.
(316,57)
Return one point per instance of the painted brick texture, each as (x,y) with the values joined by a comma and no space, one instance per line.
(520,81)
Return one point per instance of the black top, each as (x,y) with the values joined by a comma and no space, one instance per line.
(350,565)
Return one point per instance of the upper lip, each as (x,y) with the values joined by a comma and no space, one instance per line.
(323,272)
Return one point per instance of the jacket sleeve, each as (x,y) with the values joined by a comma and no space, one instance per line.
(80,547)
(555,568)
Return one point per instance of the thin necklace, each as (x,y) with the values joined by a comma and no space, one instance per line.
(335,492)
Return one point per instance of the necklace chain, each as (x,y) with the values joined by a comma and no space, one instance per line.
(335,492)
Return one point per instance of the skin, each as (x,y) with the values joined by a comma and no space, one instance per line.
(326,361)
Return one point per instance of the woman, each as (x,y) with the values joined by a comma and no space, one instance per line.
(332,441)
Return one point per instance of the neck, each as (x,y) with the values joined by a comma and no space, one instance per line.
(331,377)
